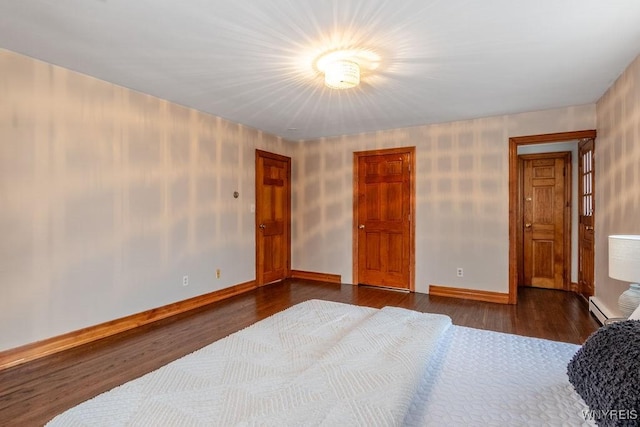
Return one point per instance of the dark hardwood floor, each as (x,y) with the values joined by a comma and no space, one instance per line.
(33,393)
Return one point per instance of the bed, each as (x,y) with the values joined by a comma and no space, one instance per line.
(328,363)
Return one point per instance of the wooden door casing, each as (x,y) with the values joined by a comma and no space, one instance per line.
(384,203)
(546,220)
(273,217)
(586,192)
(515,243)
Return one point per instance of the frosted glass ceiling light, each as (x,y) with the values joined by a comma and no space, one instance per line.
(342,68)
(342,74)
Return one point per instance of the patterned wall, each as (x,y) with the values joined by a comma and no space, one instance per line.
(108,197)
(461,189)
(617,162)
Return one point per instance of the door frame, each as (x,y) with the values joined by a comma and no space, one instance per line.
(411,152)
(514,143)
(566,243)
(287,213)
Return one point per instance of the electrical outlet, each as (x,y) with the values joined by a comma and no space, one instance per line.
(185,280)
(218,272)
(460,272)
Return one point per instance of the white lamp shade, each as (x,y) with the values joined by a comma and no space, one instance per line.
(624,258)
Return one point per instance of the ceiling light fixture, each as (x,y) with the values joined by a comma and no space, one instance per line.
(342,68)
(342,74)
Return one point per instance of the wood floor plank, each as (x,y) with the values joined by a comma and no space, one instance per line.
(33,393)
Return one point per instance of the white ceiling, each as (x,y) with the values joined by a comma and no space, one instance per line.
(250,61)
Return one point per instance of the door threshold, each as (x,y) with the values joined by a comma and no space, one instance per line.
(385,288)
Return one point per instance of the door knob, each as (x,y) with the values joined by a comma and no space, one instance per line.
(361,226)
(589,227)
(262,226)
(527,225)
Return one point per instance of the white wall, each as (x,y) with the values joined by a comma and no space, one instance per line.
(462,196)
(575,202)
(617,174)
(108,197)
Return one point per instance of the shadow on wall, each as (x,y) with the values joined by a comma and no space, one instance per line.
(115,196)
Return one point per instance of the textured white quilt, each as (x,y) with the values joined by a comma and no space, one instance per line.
(485,378)
(316,363)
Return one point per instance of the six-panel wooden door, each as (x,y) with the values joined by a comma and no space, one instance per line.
(273,217)
(384,234)
(546,220)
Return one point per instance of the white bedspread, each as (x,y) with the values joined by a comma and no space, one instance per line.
(316,363)
(485,378)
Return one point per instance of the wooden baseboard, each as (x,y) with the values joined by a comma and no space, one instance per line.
(26,353)
(472,294)
(320,277)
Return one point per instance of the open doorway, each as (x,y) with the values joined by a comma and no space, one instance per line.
(546,212)
(516,201)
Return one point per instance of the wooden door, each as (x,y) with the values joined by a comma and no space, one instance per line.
(586,193)
(546,220)
(383,212)
(273,217)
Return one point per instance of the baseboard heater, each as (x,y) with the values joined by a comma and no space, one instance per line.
(598,310)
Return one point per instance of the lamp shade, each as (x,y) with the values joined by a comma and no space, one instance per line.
(624,258)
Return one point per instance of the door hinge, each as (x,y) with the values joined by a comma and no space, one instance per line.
(409,217)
